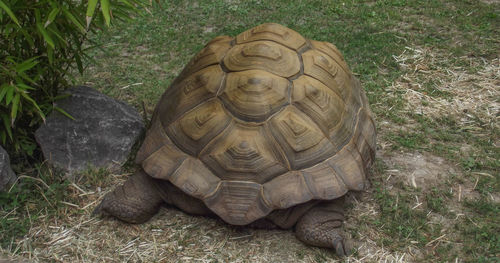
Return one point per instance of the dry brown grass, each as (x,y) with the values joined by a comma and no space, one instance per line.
(172,236)
(468,96)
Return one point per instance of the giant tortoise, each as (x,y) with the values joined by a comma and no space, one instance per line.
(265,129)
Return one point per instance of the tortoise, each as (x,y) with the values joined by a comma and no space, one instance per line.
(267,129)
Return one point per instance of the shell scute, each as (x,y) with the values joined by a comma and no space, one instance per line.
(194,178)
(189,93)
(321,104)
(244,153)
(238,202)
(287,190)
(273,32)
(193,131)
(211,54)
(254,95)
(300,138)
(264,55)
(324,182)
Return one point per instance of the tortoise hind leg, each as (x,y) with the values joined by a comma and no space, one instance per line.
(136,201)
(322,226)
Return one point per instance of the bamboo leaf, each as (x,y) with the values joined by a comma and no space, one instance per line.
(127,3)
(23,86)
(28,98)
(52,15)
(60,97)
(106,11)
(10,94)
(90,11)
(73,19)
(9,12)
(3,91)
(50,55)
(15,106)
(63,42)
(63,112)
(45,35)
(79,63)
(7,125)
(28,37)
(26,65)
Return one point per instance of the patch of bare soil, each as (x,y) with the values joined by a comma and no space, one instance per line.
(490,2)
(418,170)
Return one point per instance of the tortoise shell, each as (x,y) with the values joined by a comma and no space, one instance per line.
(263,121)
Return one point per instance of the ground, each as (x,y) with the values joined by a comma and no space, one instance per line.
(432,75)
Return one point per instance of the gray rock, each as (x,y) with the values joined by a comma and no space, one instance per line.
(102,134)
(7,176)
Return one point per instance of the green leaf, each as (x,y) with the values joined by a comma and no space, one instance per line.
(15,106)
(79,63)
(63,112)
(60,97)
(3,137)
(63,42)
(45,35)
(26,77)
(52,16)
(23,86)
(26,65)
(28,98)
(105,11)
(3,91)
(73,19)
(9,12)
(7,125)
(127,3)
(50,55)
(28,37)
(10,93)
(90,11)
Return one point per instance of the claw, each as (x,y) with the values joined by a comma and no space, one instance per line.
(342,248)
(98,211)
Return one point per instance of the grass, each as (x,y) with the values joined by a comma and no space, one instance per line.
(431,73)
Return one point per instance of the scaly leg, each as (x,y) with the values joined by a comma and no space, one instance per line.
(322,226)
(136,201)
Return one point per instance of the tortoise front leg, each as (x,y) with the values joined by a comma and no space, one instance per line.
(322,226)
(136,201)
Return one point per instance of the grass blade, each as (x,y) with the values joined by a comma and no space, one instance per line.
(9,12)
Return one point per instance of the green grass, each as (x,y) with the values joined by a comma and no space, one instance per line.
(139,60)
(45,195)
(25,203)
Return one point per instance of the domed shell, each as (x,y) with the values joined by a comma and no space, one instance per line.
(263,121)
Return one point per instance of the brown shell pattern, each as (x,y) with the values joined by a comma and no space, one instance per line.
(263,121)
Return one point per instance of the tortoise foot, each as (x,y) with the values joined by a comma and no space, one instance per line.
(136,201)
(322,227)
